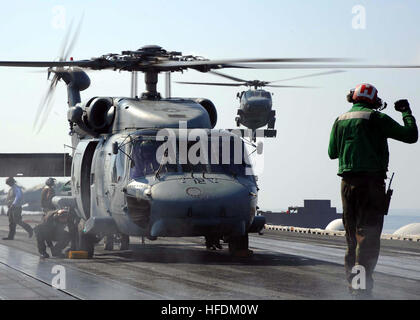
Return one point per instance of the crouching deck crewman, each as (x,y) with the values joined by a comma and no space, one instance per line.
(359,140)
(52,229)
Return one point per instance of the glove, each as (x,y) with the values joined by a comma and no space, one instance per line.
(402,106)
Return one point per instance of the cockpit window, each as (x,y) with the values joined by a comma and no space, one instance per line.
(249,94)
(144,156)
(227,156)
(144,159)
(266,94)
(259,93)
(232,156)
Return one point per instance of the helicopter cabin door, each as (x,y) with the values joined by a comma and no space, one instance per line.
(81,170)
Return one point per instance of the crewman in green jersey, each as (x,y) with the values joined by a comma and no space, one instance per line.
(359,141)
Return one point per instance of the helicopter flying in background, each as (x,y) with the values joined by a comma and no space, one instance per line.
(255,107)
(117,183)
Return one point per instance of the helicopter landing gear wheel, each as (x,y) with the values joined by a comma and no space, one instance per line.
(238,246)
(86,242)
(125,242)
(109,243)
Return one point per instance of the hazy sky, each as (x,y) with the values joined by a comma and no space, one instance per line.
(296,164)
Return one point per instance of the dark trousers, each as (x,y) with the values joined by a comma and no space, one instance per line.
(46,210)
(363,200)
(46,235)
(15,218)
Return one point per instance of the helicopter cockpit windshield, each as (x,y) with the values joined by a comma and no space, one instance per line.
(257,94)
(266,94)
(144,159)
(231,159)
(250,94)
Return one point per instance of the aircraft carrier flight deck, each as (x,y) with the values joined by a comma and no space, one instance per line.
(285,265)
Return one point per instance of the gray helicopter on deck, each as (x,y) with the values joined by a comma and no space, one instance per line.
(119,181)
(255,107)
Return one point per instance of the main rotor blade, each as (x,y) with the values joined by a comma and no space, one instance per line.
(320,66)
(46,64)
(213,83)
(203,66)
(227,76)
(46,105)
(209,63)
(310,75)
(132,65)
(280,86)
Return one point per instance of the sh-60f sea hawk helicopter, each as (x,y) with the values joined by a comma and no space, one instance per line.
(118,185)
(255,107)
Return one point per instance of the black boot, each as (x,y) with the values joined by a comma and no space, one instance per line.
(57,253)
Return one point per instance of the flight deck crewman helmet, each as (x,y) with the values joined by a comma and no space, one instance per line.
(50,182)
(62,215)
(367,93)
(10,181)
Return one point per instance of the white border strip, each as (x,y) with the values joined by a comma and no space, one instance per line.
(335,233)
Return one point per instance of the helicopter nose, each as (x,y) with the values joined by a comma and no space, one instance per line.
(188,208)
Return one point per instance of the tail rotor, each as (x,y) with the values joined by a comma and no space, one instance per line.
(46,104)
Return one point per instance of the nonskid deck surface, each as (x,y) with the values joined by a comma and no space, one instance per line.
(284,266)
(17,285)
